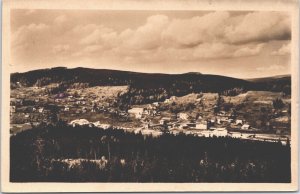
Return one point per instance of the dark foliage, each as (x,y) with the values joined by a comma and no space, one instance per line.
(36,157)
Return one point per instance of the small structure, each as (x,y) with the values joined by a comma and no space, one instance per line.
(79,122)
(167,100)
(201,126)
(12,109)
(173,98)
(137,112)
(239,122)
(155,103)
(220,132)
(164,120)
(183,116)
(41,110)
(67,108)
(245,127)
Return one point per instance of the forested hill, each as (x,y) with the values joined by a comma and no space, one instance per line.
(179,84)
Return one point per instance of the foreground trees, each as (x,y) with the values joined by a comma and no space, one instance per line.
(83,154)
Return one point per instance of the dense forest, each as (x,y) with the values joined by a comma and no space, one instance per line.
(49,153)
(146,87)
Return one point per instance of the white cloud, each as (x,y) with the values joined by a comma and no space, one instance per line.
(60,19)
(30,11)
(29,33)
(248,51)
(196,30)
(160,38)
(271,68)
(61,48)
(259,27)
(284,50)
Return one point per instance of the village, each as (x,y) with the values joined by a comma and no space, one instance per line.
(193,114)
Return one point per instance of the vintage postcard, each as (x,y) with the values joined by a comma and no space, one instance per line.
(149,96)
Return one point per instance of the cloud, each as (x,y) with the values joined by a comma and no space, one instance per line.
(147,36)
(60,48)
(260,27)
(30,11)
(100,34)
(160,38)
(248,51)
(60,19)
(284,50)
(271,68)
(197,30)
(31,33)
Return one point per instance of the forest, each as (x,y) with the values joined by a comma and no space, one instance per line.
(61,153)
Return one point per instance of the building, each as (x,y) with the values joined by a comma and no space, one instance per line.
(164,120)
(220,132)
(167,100)
(79,122)
(173,98)
(155,103)
(245,127)
(239,122)
(137,112)
(183,116)
(41,110)
(202,126)
(12,109)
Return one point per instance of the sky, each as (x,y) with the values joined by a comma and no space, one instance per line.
(240,44)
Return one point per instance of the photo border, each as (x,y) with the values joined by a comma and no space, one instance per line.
(290,6)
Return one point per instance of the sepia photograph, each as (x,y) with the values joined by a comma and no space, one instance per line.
(121,95)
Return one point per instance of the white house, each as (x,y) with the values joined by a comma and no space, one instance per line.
(155,103)
(183,116)
(41,110)
(67,109)
(245,127)
(137,112)
(173,98)
(13,109)
(79,122)
(239,122)
(202,126)
(167,100)
(220,132)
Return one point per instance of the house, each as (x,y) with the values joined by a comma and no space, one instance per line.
(84,110)
(183,116)
(67,108)
(155,103)
(79,122)
(220,132)
(245,127)
(173,98)
(239,122)
(41,110)
(164,120)
(12,109)
(202,126)
(137,112)
(167,100)
(146,112)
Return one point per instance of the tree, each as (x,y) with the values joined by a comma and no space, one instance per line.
(278,103)
(108,140)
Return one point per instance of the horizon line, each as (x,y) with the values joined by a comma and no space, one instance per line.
(245,78)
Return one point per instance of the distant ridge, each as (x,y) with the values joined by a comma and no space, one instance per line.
(185,82)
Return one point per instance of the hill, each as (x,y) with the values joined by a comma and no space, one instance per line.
(147,87)
(102,77)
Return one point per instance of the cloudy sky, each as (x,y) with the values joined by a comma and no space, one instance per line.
(237,44)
